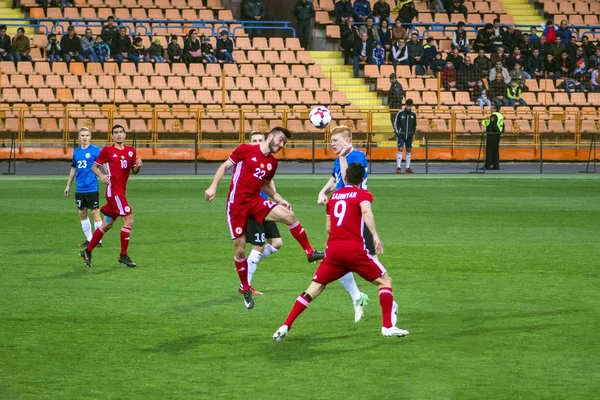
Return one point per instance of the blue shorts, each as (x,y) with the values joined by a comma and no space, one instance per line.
(402,141)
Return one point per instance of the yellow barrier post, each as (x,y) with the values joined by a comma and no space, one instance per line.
(439,91)
(330,89)
(223,88)
(21,129)
(66,129)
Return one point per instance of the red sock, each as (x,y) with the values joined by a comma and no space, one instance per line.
(96,238)
(241,266)
(125,234)
(386,299)
(299,234)
(300,305)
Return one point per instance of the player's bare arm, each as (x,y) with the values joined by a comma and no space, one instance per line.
(328,225)
(103,177)
(328,188)
(138,165)
(343,162)
(269,188)
(369,219)
(70,181)
(209,194)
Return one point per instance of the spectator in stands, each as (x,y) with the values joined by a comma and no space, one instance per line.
(513,38)
(348,35)
(304,13)
(399,53)
(588,48)
(109,31)
(342,11)
(70,46)
(174,50)
(460,39)
(101,49)
(87,46)
(385,36)
(595,59)
(362,10)
(43,4)
(452,6)
(381,11)
(479,95)
(565,66)
(551,69)
(455,58)
(437,65)
(362,51)
(407,13)
(553,48)
(519,76)
(20,46)
(122,48)
(378,57)
(52,49)
(156,52)
(467,75)
(395,95)
(549,33)
(191,48)
(483,40)
(449,76)
(563,33)
(483,63)
(580,55)
(582,76)
(527,47)
(533,36)
(139,49)
(535,65)
(513,94)
(255,11)
(415,50)
(429,51)
(225,48)
(437,6)
(572,47)
(498,91)
(371,30)
(517,58)
(5,54)
(595,81)
(498,36)
(499,71)
(399,32)
(207,51)
(499,55)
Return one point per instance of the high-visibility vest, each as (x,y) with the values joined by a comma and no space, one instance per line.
(500,123)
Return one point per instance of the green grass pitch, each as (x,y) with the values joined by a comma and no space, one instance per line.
(497,279)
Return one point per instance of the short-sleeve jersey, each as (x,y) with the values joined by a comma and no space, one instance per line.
(118,164)
(355,156)
(83,161)
(252,168)
(345,213)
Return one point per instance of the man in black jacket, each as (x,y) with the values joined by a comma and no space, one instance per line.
(70,46)
(407,13)
(348,35)
(455,5)
(484,39)
(225,48)
(535,65)
(342,11)
(5,45)
(395,95)
(122,48)
(494,127)
(255,11)
(109,31)
(304,13)
(381,11)
(362,51)
(468,75)
(405,126)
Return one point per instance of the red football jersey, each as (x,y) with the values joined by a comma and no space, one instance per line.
(118,164)
(251,169)
(345,214)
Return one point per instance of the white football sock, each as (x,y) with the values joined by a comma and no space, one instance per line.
(399,159)
(408,160)
(253,260)
(87,229)
(97,224)
(268,251)
(349,284)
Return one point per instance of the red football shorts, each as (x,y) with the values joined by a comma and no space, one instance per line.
(116,206)
(339,260)
(239,212)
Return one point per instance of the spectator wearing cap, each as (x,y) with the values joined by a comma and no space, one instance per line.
(174,50)
(588,48)
(399,53)
(453,6)
(595,81)
(304,13)
(87,46)
(535,65)
(482,63)
(255,11)
(563,33)
(122,48)
(348,35)
(362,10)
(342,11)
(395,96)
(407,13)
(101,49)
(483,41)
(70,46)
(109,31)
(595,59)
(499,71)
(378,57)
(467,75)
(381,11)
(207,51)
(225,48)
(429,51)
(192,52)
(460,40)
(5,54)
(370,30)
(156,51)
(449,76)
(363,49)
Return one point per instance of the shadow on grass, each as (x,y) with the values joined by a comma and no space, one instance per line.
(186,308)
(77,272)
(178,345)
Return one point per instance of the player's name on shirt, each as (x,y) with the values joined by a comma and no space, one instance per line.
(343,196)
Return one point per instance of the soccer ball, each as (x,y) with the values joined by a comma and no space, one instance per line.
(320,117)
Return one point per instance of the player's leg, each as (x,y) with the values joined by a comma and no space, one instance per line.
(86,226)
(274,241)
(255,236)
(409,142)
(125,238)
(399,155)
(241,267)
(359,299)
(107,224)
(283,215)
(95,207)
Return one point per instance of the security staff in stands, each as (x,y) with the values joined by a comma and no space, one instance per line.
(494,127)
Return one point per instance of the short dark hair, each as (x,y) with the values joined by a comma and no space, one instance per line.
(191,31)
(2,27)
(117,126)
(497,20)
(22,30)
(110,17)
(286,132)
(52,35)
(355,173)
(585,37)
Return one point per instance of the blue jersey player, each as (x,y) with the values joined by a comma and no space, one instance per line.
(341,142)
(86,182)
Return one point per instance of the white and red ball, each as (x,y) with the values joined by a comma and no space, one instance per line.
(320,117)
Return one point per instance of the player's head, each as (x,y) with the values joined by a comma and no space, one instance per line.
(340,136)
(409,105)
(118,134)
(257,137)
(85,136)
(277,139)
(355,174)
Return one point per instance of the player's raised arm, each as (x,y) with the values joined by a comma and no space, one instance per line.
(209,194)
(369,219)
(328,188)
(70,180)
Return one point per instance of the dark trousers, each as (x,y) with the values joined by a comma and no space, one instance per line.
(492,151)
(304,33)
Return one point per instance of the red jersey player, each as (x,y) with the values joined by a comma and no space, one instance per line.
(118,160)
(254,169)
(346,252)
